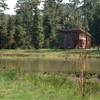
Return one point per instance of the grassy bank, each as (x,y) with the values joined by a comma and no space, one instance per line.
(72,51)
(48,54)
(21,86)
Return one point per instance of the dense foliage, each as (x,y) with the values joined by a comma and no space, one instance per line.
(36,26)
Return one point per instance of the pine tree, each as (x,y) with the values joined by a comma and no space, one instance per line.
(95,27)
(3,31)
(21,37)
(37,29)
(3,25)
(51,21)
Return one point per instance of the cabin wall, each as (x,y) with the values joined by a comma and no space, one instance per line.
(73,40)
(68,40)
(88,43)
(82,41)
(61,40)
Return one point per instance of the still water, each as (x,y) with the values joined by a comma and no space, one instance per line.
(50,65)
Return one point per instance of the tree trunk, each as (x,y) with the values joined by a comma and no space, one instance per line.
(98,47)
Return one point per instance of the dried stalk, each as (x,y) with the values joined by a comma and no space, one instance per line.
(82,75)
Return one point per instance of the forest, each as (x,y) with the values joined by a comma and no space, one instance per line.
(36,22)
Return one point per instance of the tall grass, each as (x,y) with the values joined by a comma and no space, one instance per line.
(15,85)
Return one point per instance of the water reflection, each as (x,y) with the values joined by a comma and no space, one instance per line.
(54,65)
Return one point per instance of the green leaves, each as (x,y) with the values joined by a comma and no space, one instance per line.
(3,6)
(3,31)
(21,37)
(37,31)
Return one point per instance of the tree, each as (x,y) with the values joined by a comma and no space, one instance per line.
(95,27)
(37,30)
(3,24)
(28,16)
(52,21)
(3,31)
(11,32)
(88,10)
(74,13)
(3,6)
(24,17)
(92,19)
(21,37)
(24,10)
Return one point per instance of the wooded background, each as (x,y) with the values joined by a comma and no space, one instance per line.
(35,27)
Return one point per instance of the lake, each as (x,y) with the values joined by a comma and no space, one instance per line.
(38,64)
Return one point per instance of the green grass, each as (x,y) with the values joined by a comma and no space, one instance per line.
(47,54)
(52,52)
(36,86)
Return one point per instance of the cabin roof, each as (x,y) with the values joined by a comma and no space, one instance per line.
(75,31)
(72,30)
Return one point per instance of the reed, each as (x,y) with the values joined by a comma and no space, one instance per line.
(82,79)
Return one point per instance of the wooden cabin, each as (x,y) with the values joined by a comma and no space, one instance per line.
(74,38)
